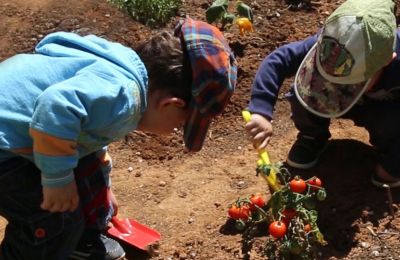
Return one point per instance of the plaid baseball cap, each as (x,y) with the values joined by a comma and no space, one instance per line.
(357,40)
(214,73)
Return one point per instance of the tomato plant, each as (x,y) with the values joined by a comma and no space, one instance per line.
(289,212)
(277,229)
(298,185)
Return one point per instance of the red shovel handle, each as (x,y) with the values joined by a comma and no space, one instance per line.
(122,225)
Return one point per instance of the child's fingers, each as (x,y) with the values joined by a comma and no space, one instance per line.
(74,203)
(260,139)
(57,207)
(254,131)
(46,205)
(264,143)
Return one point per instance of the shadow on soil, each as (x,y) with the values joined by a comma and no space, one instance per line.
(135,254)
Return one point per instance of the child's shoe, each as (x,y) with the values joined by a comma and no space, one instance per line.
(305,152)
(381,178)
(95,246)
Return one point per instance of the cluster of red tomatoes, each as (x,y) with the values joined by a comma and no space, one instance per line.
(241,210)
(278,229)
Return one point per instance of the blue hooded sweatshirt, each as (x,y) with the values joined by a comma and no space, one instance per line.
(74,96)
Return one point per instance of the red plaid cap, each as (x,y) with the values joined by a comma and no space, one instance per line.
(214,73)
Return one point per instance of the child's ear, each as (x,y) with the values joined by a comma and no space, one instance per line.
(170,100)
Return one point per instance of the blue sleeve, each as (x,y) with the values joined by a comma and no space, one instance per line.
(276,67)
(83,102)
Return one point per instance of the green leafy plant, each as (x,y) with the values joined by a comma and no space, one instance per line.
(218,12)
(150,12)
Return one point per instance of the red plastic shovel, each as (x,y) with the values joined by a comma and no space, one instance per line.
(133,233)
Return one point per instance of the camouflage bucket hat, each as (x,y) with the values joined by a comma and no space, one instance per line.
(357,40)
(214,73)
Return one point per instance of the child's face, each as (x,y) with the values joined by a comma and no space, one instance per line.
(164,114)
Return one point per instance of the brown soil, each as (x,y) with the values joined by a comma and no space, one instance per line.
(185,196)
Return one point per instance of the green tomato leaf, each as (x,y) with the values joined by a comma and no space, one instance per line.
(276,202)
(214,13)
(223,3)
(244,10)
(228,18)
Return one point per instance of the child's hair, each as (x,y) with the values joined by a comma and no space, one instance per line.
(167,65)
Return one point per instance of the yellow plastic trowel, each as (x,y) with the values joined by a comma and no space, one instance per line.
(271,178)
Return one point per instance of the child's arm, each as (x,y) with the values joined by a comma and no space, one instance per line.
(276,67)
(59,199)
(77,117)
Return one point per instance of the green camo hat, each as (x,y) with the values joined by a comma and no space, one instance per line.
(357,41)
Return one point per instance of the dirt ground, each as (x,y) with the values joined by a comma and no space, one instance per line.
(185,196)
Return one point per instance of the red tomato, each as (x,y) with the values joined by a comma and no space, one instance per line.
(234,212)
(256,199)
(244,212)
(289,213)
(315,182)
(298,185)
(307,228)
(277,229)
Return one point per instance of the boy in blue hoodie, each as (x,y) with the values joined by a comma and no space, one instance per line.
(61,107)
(349,70)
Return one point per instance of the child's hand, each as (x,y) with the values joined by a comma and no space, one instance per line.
(260,130)
(60,199)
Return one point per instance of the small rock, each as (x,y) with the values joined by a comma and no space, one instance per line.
(375,248)
(182,195)
(130,169)
(365,244)
(162,183)
(191,220)
(138,174)
(375,253)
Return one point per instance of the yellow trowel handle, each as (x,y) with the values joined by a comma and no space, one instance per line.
(264,160)
(261,152)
